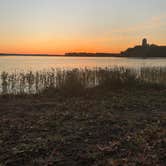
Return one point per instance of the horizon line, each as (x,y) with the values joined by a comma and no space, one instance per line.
(58,54)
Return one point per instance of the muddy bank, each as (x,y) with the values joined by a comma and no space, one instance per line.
(109,128)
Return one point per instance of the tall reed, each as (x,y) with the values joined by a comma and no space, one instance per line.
(76,80)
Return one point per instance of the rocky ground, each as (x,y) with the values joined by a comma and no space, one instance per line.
(122,127)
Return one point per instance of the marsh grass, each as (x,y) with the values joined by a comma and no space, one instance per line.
(76,81)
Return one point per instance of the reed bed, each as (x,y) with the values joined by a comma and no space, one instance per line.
(77,80)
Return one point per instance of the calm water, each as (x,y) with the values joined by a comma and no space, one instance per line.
(22,63)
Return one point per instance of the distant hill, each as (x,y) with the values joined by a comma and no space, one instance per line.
(151,51)
(159,51)
(145,50)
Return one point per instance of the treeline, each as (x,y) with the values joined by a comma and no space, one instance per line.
(84,54)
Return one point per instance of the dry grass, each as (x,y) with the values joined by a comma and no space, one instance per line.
(77,80)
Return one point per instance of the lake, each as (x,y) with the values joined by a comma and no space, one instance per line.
(23,63)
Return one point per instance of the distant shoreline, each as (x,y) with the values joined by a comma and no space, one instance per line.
(32,55)
(104,56)
(47,55)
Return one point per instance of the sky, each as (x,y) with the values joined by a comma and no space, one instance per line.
(59,26)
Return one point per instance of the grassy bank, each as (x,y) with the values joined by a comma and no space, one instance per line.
(78,80)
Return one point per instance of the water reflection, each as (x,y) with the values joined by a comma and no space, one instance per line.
(22,63)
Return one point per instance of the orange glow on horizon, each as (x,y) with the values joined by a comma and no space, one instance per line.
(50,52)
(62,47)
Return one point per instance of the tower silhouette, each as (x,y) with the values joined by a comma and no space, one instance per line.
(144,43)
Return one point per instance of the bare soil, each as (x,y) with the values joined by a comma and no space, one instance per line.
(122,127)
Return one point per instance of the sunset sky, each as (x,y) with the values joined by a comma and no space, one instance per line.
(59,26)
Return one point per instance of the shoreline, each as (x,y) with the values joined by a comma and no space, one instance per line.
(130,57)
(92,56)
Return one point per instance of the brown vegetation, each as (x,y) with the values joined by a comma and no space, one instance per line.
(113,127)
(78,80)
(83,117)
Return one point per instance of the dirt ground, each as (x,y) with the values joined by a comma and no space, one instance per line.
(99,129)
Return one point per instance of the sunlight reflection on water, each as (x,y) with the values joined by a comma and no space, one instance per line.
(23,63)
